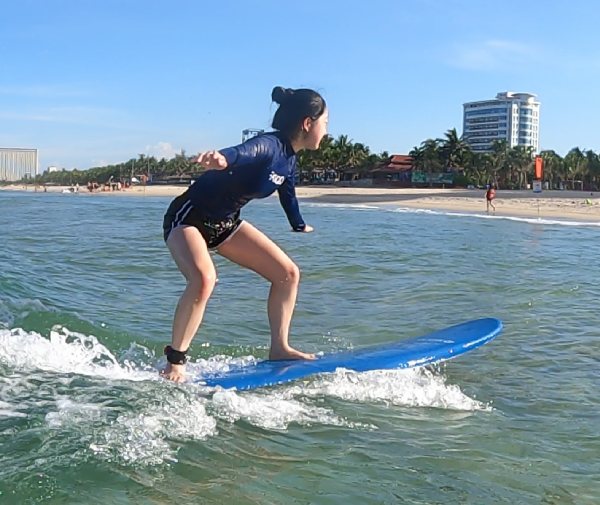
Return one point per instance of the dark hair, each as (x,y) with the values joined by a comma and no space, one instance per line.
(294,106)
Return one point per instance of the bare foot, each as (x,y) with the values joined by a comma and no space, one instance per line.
(289,353)
(176,373)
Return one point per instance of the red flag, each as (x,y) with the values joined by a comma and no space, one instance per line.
(539,168)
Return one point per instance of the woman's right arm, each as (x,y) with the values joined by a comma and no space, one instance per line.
(256,150)
(212,159)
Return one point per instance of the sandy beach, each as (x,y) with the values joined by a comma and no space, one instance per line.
(566,205)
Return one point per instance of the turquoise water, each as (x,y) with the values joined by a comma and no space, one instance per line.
(87,291)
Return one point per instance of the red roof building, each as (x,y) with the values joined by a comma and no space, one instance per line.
(397,171)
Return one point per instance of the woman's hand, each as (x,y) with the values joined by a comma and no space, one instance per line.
(175,373)
(212,159)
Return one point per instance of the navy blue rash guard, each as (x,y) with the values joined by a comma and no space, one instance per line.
(255,169)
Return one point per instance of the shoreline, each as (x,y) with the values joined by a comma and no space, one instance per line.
(565,205)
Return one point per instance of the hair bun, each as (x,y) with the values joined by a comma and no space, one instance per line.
(281,95)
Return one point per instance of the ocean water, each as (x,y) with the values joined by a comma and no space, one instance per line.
(87,292)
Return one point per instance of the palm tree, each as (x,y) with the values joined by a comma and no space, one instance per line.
(453,149)
(574,165)
(521,163)
(358,153)
(343,147)
(552,167)
(478,168)
(498,161)
(432,159)
(593,168)
(418,155)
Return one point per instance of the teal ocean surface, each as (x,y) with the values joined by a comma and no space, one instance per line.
(87,293)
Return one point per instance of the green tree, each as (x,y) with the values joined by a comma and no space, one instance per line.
(574,165)
(593,169)
(520,160)
(498,163)
(453,149)
(553,167)
(418,156)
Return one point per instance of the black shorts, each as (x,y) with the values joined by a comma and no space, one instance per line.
(215,232)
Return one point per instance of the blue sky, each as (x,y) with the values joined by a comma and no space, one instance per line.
(91,82)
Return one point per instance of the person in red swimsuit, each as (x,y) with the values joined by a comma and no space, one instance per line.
(490,194)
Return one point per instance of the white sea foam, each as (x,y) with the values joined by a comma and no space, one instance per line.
(69,413)
(218,364)
(415,387)
(275,410)
(356,206)
(70,352)
(272,409)
(147,423)
(530,220)
(412,210)
(152,436)
(63,351)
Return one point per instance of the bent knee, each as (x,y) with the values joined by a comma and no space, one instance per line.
(290,274)
(203,284)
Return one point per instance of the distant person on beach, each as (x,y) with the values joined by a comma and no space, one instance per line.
(490,194)
(207,217)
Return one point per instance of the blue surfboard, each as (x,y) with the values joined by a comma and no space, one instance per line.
(418,351)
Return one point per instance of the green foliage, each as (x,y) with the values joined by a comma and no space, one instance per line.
(463,180)
(509,168)
(338,155)
(147,166)
(333,155)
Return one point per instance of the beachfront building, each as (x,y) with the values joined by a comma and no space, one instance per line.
(17,164)
(397,171)
(249,133)
(514,117)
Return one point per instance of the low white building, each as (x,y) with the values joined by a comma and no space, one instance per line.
(514,117)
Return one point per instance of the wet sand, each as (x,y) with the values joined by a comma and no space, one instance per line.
(566,205)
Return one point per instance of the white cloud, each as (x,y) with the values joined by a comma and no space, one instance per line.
(162,150)
(492,55)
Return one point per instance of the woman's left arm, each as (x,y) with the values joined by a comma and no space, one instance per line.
(289,202)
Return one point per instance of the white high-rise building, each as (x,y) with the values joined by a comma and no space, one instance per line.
(514,117)
(16,164)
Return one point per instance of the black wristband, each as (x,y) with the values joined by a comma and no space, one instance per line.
(175,357)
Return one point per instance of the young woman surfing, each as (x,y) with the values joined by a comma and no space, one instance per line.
(207,217)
